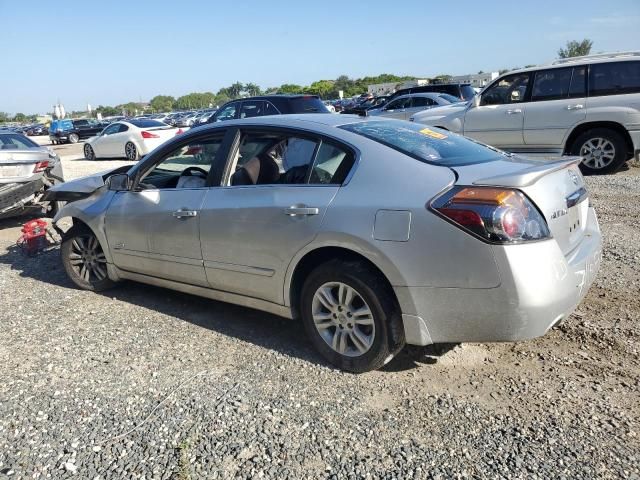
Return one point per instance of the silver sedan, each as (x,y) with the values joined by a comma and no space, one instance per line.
(376,233)
(404,106)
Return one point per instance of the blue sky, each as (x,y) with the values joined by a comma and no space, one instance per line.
(113,52)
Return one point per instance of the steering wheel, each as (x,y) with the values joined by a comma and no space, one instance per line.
(194,172)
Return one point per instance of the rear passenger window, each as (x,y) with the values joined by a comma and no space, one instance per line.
(422,102)
(332,165)
(252,108)
(551,84)
(578,86)
(614,78)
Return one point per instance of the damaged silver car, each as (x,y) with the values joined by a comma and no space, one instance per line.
(27,171)
(376,233)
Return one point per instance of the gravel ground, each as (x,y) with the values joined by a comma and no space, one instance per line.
(141,382)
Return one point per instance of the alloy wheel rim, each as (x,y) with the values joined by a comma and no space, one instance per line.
(131,151)
(87,258)
(88,153)
(343,319)
(598,153)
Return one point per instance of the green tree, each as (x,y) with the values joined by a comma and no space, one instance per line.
(290,88)
(107,111)
(195,100)
(20,117)
(130,108)
(323,88)
(252,89)
(162,103)
(4,117)
(442,79)
(576,49)
(235,90)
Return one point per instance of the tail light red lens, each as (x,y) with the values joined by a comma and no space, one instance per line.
(146,134)
(499,215)
(179,131)
(41,166)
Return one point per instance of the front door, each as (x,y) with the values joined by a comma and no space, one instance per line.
(397,108)
(272,205)
(499,118)
(155,228)
(103,145)
(558,103)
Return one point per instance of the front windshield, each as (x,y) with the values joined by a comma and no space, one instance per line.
(430,145)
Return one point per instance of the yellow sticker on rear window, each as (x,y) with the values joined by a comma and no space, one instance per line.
(432,134)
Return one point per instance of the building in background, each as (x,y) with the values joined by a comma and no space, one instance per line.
(478,80)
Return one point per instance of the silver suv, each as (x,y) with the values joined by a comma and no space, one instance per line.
(587,106)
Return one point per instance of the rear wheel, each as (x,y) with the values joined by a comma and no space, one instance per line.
(89,154)
(604,150)
(130,151)
(84,259)
(351,316)
(74,138)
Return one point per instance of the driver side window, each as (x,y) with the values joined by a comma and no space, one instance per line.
(510,89)
(187,166)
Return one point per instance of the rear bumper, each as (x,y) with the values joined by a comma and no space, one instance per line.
(14,196)
(539,288)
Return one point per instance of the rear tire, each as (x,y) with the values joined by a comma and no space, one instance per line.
(89,154)
(130,151)
(351,316)
(604,151)
(74,138)
(84,260)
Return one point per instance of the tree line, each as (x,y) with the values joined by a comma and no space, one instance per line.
(326,89)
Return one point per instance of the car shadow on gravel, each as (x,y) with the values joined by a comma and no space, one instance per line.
(285,336)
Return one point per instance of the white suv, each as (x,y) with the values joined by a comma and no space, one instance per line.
(587,106)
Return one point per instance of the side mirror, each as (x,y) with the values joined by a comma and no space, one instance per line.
(476,101)
(118,183)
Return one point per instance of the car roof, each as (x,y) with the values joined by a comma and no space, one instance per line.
(578,61)
(294,120)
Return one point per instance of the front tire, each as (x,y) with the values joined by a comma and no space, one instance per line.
(74,138)
(89,154)
(604,151)
(351,316)
(130,151)
(84,260)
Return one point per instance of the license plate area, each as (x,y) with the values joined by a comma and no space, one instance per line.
(10,171)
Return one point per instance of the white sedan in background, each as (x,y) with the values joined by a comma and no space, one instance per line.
(129,139)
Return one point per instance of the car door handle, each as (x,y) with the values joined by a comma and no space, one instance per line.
(185,213)
(575,107)
(301,211)
(514,111)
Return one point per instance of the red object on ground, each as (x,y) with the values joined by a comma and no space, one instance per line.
(34,236)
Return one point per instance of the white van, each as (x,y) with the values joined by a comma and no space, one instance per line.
(587,106)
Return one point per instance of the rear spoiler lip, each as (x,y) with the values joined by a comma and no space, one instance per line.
(529,176)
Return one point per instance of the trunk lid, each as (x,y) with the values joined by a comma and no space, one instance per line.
(18,165)
(556,187)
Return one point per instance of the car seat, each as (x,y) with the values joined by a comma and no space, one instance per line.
(260,170)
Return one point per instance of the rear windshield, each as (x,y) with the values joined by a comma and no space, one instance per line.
(144,123)
(307,105)
(450,98)
(429,145)
(12,141)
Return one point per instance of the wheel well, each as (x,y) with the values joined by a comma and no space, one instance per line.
(443,128)
(580,129)
(317,257)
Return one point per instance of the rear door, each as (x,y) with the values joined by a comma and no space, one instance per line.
(558,103)
(251,230)
(418,104)
(397,108)
(499,119)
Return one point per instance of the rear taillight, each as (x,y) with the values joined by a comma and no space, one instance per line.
(179,131)
(146,134)
(41,166)
(499,215)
